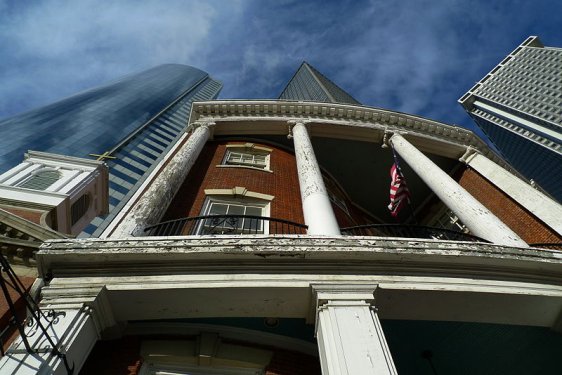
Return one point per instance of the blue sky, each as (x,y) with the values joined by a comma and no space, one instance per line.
(414,56)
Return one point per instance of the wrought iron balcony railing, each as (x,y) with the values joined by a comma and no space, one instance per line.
(249,224)
(225,224)
(409,231)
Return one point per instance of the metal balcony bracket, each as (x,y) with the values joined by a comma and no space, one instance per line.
(37,323)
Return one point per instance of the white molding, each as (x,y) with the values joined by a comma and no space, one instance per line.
(249,276)
(350,118)
(243,166)
(239,191)
(249,146)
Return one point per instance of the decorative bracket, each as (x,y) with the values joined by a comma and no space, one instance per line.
(468,155)
(37,321)
(385,139)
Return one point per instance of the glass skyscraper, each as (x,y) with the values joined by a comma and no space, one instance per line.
(129,123)
(518,105)
(309,84)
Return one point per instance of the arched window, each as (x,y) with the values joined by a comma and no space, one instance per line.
(41,179)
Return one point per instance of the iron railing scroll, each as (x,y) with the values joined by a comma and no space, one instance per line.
(36,324)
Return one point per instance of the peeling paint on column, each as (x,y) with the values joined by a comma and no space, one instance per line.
(470,211)
(310,177)
(154,202)
(317,209)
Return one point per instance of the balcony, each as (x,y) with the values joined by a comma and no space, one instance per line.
(409,231)
(249,224)
(225,224)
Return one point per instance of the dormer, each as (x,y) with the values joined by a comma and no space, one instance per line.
(60,192)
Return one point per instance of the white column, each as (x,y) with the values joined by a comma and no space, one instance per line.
(537,203)
(151,206)
(471,212)
(348,330)
(75,331)
(316,206)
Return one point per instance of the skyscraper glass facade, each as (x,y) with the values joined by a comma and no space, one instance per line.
(518,105)
(134,120)
(309,84)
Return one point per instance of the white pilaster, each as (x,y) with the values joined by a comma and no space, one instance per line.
(149,208)
(76,332)
(348,330)
(316,206)
(470,211)
(540,205)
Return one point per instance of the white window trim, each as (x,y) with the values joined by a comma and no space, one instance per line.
(239,191)
(240,195)
(251,149)
(35,174)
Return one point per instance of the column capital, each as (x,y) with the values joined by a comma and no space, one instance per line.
(294,122)
(468,155)
(201,123)
(323,294)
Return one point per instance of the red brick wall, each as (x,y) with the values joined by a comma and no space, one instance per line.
(283,184)
(6,314)
(521,221)
(33,216)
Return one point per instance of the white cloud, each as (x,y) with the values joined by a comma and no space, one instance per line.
(416,56)
(54,48)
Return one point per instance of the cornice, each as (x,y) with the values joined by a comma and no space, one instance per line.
(294,254)
(380,120)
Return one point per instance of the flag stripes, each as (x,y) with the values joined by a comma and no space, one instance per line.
(399,193)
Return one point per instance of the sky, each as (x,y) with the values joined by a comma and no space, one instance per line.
(413,56)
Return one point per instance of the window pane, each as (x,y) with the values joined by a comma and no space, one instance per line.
(248,158)
(253,211)
(235,210)
(253,225)
(218,209)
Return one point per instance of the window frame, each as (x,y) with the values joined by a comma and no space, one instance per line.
(233,200)
(36,175)
(251,151)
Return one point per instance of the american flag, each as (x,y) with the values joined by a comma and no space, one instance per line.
(399,193)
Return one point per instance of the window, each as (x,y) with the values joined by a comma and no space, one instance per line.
(446,219)
(41,179)
(79,208)
(244,158)
(247,155)
(233,215)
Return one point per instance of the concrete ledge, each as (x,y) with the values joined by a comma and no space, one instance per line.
(289,254)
